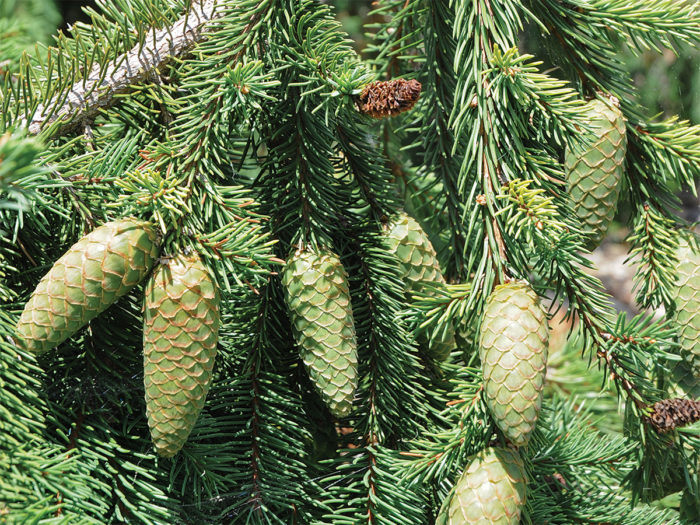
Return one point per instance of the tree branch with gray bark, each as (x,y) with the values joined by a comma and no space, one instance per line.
(100,88)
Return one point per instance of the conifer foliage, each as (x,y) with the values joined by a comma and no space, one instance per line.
(286,282)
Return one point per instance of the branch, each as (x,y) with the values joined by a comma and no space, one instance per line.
(87,96)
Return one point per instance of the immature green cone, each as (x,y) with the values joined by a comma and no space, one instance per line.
(419,265)
(513,343)
(491,491)
(682,381)
(594,169)
(687,299)
(180,331)
(97,270)
(318,299)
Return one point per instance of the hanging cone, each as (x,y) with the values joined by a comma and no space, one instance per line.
(180,332)
(513,344)
(682,381)
(594,169)
(687,300)
(318,299)
(491,491)
(95,272)
(419,265)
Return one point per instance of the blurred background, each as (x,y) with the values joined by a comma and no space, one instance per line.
(668,84)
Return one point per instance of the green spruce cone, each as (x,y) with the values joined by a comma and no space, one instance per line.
(318,299)
(180,332)
(594,169)
(419,265)
(686,297)
(97,270)
(682,381)
(513,344)
(491,491)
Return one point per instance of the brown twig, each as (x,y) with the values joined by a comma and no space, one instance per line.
(360,176)
(24,250)
(487,183)
(256,497)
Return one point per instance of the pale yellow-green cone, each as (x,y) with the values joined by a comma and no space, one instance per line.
(594,169)
(683,382)
(95,272)
(686,297)
(180,332)
(318,298)
(419,265)
(491,490)
(513,345)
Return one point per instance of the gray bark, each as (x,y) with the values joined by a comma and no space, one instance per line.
(87,96)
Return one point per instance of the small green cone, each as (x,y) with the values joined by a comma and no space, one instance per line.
(686,297)
(95,272)
(594,169)
(180,332)
(513,344)
(418,261)
(491,491)
(318,299)
(683,382)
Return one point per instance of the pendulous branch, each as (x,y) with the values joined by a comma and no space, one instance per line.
(87,96)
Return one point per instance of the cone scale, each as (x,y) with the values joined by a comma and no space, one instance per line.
(513,344)
(491,490)
(594,169)
(418,261)
(181,326)
(318,298)
(95,272)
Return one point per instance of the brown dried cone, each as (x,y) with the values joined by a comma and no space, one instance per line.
(318,299)
(96,271)
(180,332)
(386,99)
(491,490)
(669,414)
(513,346)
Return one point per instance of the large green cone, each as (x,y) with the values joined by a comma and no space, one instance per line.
(594,169)
(687,300)
(97,270)
(318,299)
(491,491)
(180,331)
(513,344)
(419,265)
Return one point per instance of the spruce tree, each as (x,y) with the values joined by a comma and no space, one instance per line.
(327,245)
